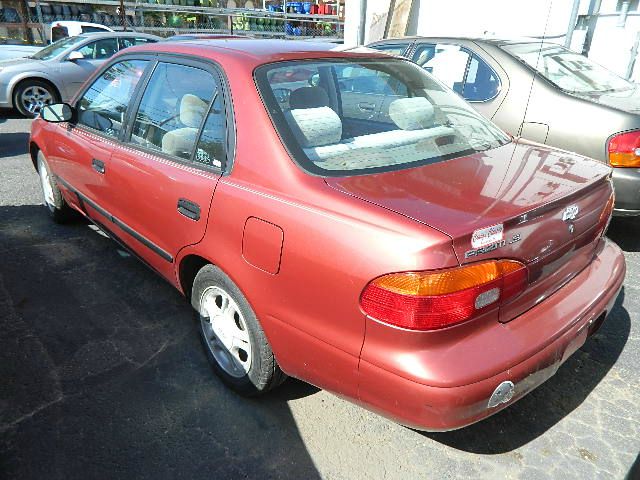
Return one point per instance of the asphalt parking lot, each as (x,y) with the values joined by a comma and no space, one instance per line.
(103,376)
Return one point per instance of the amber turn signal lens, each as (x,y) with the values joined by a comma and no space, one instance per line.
(446,281)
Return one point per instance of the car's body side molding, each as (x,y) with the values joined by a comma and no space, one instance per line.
(116,221)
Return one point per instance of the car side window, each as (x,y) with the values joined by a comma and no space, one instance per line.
(448,63)
(212,145)
(130,42)
(394,49)
(100,49)
(103,106)
(466,73)
(173,108)
(481,83)
(90,29)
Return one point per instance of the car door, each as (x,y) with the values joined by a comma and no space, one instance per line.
(162,178)
(82,151)
(74,73)
(462,70)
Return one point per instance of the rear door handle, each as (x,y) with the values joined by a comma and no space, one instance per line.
(189,209)
(98,166)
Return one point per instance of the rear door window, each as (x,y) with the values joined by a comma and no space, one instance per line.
(481,82)
(462,71)
(446,62)
(173,108)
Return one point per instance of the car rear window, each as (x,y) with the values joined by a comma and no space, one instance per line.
(351,116)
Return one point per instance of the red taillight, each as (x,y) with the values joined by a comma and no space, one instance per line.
(439,299)
(624,150)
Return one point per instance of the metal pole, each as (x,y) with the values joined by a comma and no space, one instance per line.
(362,22)
(594,9)
(43,33)
(633,57)
(572,23)
(123,17)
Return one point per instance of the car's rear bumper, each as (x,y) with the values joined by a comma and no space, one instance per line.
(578,308)
(626,182)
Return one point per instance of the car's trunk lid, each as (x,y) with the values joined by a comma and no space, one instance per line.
(547,202)
(627,100)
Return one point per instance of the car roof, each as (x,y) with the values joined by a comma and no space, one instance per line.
(257,51)
(98,35)
(477,39)
(68,23)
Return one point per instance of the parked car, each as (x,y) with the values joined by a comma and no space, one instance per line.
(564,99)
(56,72)
(10,49)
(63,29)
(423,264)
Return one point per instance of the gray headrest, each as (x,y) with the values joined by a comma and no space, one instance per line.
(314,127)
(413,113)
(192,110)
(308,97)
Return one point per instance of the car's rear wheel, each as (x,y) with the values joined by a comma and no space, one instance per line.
(32,95)
(232,336)
(58,209)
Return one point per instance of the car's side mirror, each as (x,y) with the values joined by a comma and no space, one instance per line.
(57,113)
(75,56)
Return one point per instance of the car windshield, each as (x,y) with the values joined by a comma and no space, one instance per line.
(567,70)
(360,115)
(56,48)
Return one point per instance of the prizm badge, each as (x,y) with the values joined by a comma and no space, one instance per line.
(494,246)
(570,213)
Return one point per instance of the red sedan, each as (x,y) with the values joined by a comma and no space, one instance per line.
(340,217)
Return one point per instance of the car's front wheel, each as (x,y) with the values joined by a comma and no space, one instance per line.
(58,209)
(232,336)
(31,95)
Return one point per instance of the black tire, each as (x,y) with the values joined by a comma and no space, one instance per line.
(50,97)
(55,204)
(264,373)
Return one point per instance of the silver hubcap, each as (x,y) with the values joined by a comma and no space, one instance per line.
(34,98)
(47,189)
(225,331)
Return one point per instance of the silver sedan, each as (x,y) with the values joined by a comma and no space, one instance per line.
(543,92)
(55,73)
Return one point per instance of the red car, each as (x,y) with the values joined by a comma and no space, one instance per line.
(340,217)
